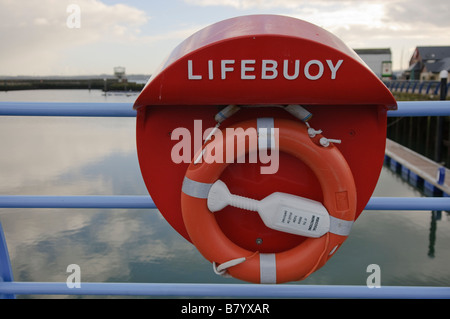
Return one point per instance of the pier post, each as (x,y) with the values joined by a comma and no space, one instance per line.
(6,274)
(444,76)
(440,120)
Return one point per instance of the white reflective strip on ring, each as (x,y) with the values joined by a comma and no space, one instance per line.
(266,133)
(340,227)
(268,268)
(195,189)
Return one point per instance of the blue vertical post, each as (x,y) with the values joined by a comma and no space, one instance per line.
(440,121)
(444,78)
(6,274)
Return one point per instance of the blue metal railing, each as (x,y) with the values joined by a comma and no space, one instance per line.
(67,109)
(422,108)
(9,288)
(145,202)
(415,86)
(225,290)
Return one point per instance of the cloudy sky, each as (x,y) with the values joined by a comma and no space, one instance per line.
(37,40)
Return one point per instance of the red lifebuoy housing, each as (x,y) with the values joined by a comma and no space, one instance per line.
(262,64)
(339,198)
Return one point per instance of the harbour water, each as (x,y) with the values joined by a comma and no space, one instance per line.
(97,156)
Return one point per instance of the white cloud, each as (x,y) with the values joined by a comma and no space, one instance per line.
(271,4)
(327,13)
(248,4)
(36,40)
(399,24)
(35,34)
(367,14)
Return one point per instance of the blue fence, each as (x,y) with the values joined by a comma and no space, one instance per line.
(415,86)
(9,288)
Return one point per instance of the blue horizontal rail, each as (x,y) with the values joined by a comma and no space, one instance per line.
(145,202)
(67,109)
(421,108)
(9,288)
(118,202)
(409,203)
(413,108)
(225,290)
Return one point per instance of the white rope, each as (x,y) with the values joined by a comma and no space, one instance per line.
(221,270)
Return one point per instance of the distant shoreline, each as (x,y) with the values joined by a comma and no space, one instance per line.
(105,85)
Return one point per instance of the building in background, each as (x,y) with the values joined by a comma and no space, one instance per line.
(427,62)
(378,60)
(119,73)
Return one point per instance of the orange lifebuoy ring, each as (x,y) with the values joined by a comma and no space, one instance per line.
(339,198)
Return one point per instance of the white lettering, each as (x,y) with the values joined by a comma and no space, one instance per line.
(191,75)
(237,308)
(240,136)
(334,68)
(245,68)
(308,74)
(374,279)
(210,70)
(193,309)
(212,154)
(74,279)
(181,152)
(286,70)
(266,69)
(313,69)
(271,155)
(74,19)
(226,69)
(215,152)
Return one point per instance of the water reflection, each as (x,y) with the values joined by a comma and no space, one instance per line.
(84,156)
(433,228)
(46,148)
(434,216)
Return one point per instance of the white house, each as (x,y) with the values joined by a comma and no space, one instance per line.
(378,60)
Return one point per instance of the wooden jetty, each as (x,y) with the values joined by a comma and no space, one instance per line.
(418,170)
